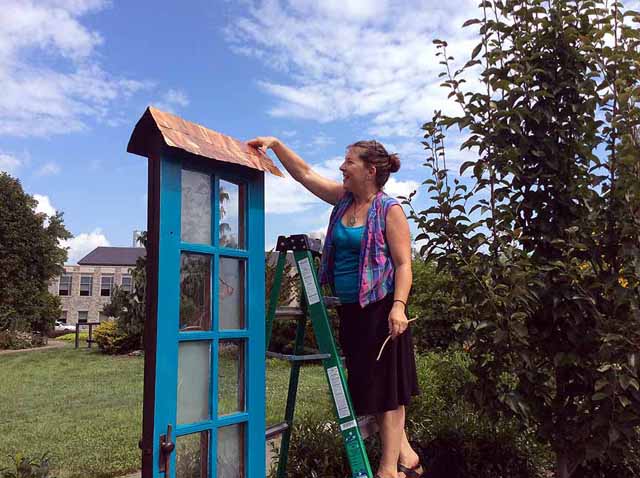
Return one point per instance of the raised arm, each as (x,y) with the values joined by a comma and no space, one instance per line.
(324,188)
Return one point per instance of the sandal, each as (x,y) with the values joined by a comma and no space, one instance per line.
(411,472)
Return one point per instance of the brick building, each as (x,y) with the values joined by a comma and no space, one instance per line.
(85,288)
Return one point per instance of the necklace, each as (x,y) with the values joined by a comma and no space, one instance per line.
(351,221)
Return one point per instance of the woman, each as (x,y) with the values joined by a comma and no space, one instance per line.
(367,262)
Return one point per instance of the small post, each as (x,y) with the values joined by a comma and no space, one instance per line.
(77,335)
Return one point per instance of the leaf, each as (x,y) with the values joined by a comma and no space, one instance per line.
(624,401)
(472,21)
(476,50)
(599,396)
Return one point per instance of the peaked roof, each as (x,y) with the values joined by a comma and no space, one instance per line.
(113,256)
(157,129)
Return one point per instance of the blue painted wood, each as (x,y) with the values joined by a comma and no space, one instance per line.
(169,337)
(256,325)
(168,302)
(203,249)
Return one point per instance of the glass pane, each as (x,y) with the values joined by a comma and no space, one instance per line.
(196,207)
(231,457)
(231,226)
(192,455)
(230,377)
(195,292)
(231,294)
(194,366)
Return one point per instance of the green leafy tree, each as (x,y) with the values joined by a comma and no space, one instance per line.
(430,302)
(544,246)
(30,256)
(128,307)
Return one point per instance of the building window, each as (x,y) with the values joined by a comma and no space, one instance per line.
(63,317)
(83,316)
(126,283)
(65,285)
(106,284)
(86,285)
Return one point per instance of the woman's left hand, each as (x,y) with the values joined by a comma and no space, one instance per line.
(398,321)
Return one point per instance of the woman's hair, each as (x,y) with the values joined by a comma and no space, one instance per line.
(375,154)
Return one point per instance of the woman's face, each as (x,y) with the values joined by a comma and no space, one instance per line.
(355,171)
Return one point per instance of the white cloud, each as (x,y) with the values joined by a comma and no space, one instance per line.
(44,205)
(397,188)
(9,164)
(80,245)
(286,195)
(48,169)
(51,80)
(377,63)
(172,100)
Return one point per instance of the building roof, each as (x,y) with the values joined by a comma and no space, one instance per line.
(157,130)
(113,256)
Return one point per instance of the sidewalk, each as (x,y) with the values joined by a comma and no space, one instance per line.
(53,344)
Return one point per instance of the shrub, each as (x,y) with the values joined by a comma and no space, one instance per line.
(627,467)
(27,467)
(317,451)
(112,340)
(453,439)
(72,336)
(16,340)
(430,301)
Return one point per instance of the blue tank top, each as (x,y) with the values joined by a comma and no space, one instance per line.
(347,242)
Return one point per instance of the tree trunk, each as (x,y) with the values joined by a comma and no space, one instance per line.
(563,467)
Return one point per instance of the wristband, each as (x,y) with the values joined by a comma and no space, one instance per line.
(401,301)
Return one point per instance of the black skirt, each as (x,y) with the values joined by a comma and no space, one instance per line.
(376,386)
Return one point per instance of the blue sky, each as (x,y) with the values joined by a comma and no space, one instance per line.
(76,75)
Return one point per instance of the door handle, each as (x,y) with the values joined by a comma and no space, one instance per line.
(166,448)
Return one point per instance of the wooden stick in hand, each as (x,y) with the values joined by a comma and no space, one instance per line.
(387,340)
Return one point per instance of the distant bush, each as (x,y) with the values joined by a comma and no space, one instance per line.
(112,340)
(72,336)
(16,340)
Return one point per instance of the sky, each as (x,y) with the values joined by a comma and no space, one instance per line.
(76,75)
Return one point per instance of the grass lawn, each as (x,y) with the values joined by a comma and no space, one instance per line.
(85,408)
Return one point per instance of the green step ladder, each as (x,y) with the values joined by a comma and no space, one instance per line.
(305,250)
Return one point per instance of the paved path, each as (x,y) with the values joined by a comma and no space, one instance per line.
(53,344)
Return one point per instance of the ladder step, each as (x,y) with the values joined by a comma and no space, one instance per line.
(289,312)
(298,358)
(277,429)
(368,426)
(331,301)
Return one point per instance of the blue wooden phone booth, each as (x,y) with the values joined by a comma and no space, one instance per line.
(204,400)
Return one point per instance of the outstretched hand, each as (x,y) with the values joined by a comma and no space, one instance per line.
(263,143)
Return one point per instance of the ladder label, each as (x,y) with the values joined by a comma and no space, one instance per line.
(338,392)
(348,425)
(309,284)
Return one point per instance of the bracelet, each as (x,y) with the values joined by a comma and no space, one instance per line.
(402,301)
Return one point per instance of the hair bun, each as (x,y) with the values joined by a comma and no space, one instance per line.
(394,162)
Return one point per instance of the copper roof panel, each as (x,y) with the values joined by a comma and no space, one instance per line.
(177,133)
